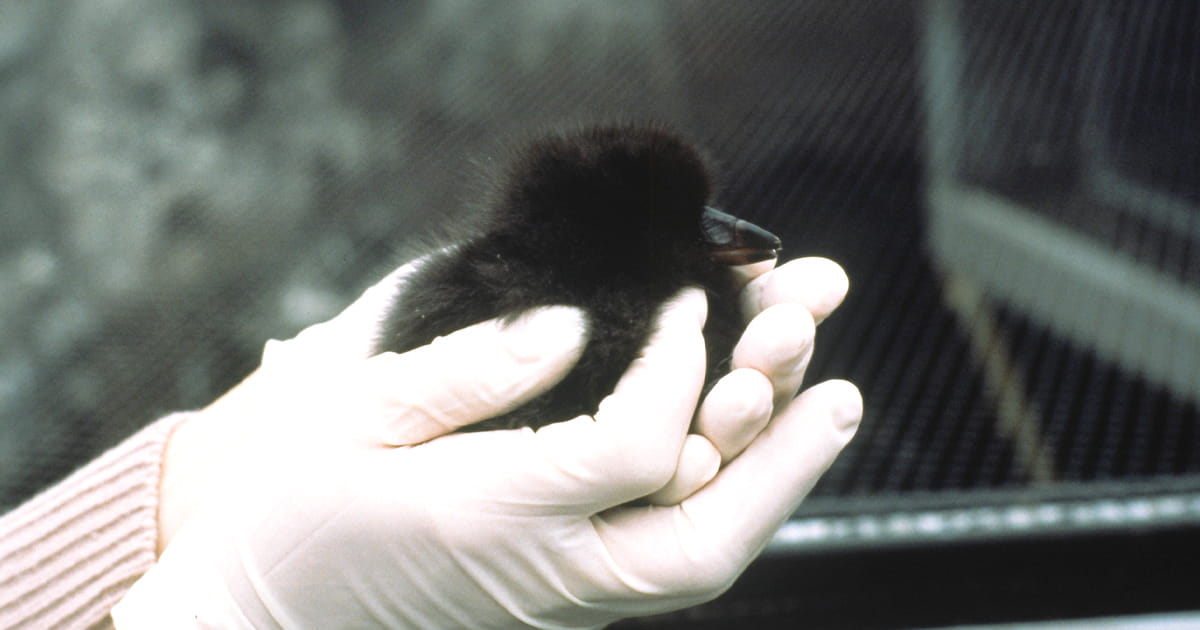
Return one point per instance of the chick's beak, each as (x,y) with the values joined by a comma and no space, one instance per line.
(733,241)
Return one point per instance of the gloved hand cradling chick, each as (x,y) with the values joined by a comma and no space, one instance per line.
(318,493)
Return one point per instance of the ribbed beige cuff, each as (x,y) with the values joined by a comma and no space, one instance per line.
(69,554)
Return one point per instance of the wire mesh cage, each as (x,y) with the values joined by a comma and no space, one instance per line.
(1010,186)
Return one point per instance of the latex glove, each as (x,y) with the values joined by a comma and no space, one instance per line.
(223,442)
(501,529)
(782,306)
(321,387)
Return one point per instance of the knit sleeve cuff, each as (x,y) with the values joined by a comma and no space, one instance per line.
(70,553)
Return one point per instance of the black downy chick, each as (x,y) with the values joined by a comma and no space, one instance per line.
(610,219)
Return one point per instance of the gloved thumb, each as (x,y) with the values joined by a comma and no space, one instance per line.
(475,373)
(349,336)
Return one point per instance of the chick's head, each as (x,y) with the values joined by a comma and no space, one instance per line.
(617,201)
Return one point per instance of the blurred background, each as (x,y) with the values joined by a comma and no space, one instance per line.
(1012,188)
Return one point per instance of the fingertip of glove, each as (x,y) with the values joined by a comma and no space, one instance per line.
(548,331)
(846,404)
(699,462)
(404,433)
(690,302)
(818,283)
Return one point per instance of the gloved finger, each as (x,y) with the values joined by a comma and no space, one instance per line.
(819,284)
(742,507)
(743,274)
(696,550)
(734,412)
(631,447)
(350,335)
(779,344)
(699,462)
(472,374)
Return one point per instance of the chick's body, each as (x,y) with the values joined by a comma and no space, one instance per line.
(607,219)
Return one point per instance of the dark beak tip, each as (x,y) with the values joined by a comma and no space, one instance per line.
(733,241)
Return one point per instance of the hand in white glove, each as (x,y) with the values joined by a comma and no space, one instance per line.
(325,528)
(324,387)
(782,305)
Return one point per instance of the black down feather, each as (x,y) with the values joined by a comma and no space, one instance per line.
(611,219)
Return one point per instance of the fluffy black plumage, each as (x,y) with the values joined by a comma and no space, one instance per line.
(610,219)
